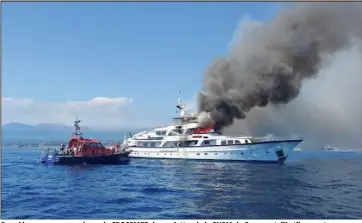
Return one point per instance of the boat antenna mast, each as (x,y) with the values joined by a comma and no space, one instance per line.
(77,131)
(182,109)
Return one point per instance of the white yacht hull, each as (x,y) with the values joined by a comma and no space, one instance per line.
(272,151)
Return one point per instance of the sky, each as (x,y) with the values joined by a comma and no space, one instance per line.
(114,65)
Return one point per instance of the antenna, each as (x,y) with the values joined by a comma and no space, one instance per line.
(180,98)
(77,131)
(181,107)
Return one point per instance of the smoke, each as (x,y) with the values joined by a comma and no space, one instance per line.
(269,62)
(327,111)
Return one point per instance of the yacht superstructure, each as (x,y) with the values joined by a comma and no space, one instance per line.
(186,140)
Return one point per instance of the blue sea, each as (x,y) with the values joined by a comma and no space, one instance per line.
(310,185)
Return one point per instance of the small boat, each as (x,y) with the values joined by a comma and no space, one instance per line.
(329,148)
(83,151)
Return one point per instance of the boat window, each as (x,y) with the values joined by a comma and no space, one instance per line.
(191,142)
(237,142)
(189,131)
(230,142)
(188,143)
(157,144)
(174,132)
(223,143)
(169,144)
(147,144)
(161,133)
(208,142)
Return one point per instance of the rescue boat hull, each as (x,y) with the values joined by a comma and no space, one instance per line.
(113,159)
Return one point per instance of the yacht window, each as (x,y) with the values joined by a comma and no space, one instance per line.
(230,142)
(189,131)
(237,142)
(223,143)
(157,144)
(175,132)
(178,130)
(152,144)
(209,142)
(191,142)
(206,142)
(169,144)
(163,133)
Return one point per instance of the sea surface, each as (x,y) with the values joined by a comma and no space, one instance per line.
(310,185)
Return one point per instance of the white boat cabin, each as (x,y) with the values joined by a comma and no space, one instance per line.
(185,133)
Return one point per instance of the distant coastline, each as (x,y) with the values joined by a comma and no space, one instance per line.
(45,144)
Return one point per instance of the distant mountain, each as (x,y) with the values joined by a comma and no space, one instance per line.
(19,132)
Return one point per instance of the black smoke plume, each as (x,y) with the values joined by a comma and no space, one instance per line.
(270,62)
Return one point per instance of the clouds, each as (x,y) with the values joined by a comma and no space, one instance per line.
(98,112)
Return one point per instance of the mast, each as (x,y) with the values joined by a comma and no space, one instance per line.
(184,116)
(181,107)
(77,131)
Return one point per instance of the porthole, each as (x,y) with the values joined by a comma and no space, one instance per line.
(215,153)
(205,153)
(198,154)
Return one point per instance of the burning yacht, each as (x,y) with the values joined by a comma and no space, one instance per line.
(185,139)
